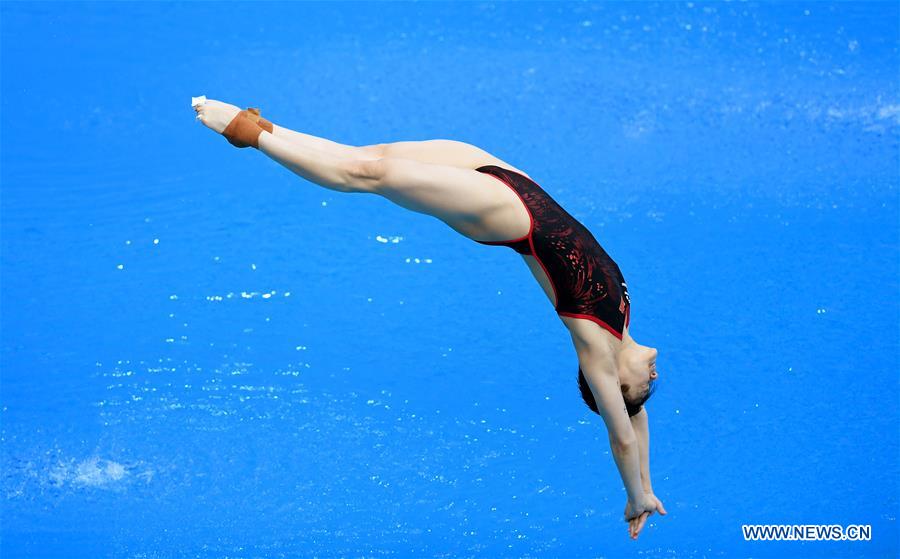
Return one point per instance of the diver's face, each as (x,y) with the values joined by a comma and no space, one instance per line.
(637,366)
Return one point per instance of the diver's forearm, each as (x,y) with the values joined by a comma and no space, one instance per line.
(640,423)
(627,457)
(321,167)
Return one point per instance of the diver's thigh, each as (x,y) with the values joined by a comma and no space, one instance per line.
(439,152)
(476,204)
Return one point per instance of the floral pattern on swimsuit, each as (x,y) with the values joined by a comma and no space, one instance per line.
(587,283)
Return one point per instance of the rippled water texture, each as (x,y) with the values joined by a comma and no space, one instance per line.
(204,356)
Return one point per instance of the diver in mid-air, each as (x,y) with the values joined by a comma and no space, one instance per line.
(492,202)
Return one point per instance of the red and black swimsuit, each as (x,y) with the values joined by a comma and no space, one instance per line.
(586,282)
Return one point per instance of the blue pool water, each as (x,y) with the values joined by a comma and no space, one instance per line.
(205,356)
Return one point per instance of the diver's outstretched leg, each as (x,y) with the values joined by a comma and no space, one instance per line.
(439,151)
(475,204)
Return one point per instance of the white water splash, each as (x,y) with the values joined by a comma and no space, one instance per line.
(91,472)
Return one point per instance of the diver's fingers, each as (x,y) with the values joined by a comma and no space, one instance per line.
(640,524)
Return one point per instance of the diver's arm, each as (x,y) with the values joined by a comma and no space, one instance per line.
(640,424)
(600,373)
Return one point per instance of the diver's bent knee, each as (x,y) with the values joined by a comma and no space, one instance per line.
(363,175)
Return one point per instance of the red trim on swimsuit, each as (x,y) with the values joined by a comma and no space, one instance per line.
(593,319)
(586,282)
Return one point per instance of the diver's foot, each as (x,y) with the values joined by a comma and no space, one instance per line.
(216,114)
(239,127)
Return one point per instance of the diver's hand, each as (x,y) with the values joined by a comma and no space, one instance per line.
(637,513)
(642,504)
(659,506)
(636,524)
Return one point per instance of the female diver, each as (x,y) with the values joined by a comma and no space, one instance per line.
(492,202)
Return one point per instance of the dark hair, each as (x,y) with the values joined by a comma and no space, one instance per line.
(633,402)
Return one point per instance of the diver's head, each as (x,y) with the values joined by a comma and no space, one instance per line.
(637,373)
(636,366)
